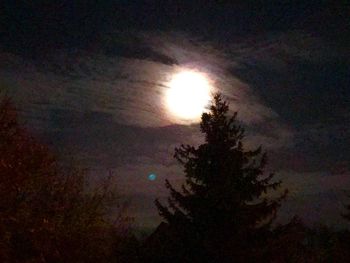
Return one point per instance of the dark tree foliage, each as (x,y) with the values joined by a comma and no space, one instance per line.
(50,214)
(295,242)
(224,206)
(346,215)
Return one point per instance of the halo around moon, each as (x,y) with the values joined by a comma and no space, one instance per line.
(188,95)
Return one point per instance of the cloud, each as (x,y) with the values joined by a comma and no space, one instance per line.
(131,86)
(125,77)
(105,105)
(134,186)
(315,196)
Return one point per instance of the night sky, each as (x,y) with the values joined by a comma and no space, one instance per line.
(89,79)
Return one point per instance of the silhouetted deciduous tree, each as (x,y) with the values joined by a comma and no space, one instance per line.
(48,214)
(224,209)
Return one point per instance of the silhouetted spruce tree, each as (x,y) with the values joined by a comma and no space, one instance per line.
(224,206)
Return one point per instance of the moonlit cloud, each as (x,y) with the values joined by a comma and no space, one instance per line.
(131,89)
(105,106)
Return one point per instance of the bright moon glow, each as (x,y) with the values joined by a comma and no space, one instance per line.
(188,94)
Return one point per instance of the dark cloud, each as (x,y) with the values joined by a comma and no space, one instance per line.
(111,144)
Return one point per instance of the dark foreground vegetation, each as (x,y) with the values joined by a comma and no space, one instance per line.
(224,212)
(49,213)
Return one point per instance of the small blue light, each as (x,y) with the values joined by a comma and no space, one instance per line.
(152,177)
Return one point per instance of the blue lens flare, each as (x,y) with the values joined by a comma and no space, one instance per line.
(152,177)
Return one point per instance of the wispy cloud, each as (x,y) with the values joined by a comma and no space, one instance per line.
(106,106)
(121,85)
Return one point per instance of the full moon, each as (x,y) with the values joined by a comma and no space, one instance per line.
(188,95)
